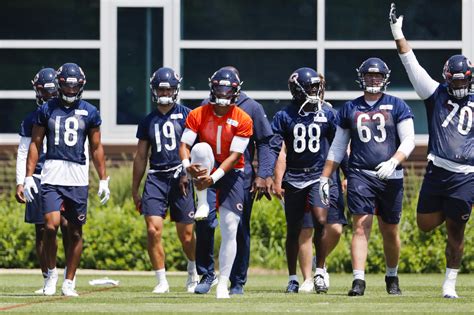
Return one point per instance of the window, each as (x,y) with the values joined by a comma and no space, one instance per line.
(50,19)
(139,54)
(25,63)
(341,65)
(428,20)
(249,19)
(259,69)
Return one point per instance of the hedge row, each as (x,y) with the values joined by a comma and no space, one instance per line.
(115,237)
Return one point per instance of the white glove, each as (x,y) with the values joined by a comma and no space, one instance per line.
(395,23)
(385,169)
(104,189)
(27,186)
(324,184)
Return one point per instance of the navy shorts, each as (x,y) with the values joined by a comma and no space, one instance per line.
(367,194)
(449,192)
(33,211)
(162,191)
(70,200)
(298,204)
(230,191)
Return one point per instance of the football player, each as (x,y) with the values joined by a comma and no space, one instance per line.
(45,87)
(256,183)
(166,185)
(224,131)
(447,192)
(66,122)
(380,129)
(306,127)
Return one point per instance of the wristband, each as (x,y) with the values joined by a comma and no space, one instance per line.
(186,163)
(218,174)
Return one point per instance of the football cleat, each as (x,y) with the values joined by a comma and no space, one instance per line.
(392,285)
(319,284)
(358,288)
(237,289)
(192,282)
(39,291)
(50,284)
(293,286)
(68,289)
(307,286)
(161,288)
(222,292)
(449,291)
(204,286)
(326,279)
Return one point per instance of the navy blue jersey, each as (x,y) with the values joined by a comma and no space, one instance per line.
(373,129)
(67,129)
(450,126)
(163,132)
(26,130)
(307,140)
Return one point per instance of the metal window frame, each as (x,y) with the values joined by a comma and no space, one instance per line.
(173,46)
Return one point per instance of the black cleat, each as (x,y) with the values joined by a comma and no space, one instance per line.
(319,285)
(293,287)
(392,285)
(358,288)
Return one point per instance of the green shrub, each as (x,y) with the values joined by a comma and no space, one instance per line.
(115,236)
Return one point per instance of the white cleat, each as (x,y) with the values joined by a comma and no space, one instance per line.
(50,284)
(192,282)
(39,291)
(307,286)
(449,292)
(202,212)
(326,279)
(222,292)
(161,288)
(68,289)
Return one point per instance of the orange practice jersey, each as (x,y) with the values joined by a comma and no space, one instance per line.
(218,132)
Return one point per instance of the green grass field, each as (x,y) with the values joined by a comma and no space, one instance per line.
(264,293)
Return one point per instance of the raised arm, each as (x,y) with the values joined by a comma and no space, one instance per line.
(424,85)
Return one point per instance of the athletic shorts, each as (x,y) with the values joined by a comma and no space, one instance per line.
(446,191)
(71,200)
(162,192)
(367,194)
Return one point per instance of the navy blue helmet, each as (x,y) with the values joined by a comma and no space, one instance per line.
(458,68)
(71,80)
(225,87)
(45,86)
(166,79)
(373,65)
(306,84)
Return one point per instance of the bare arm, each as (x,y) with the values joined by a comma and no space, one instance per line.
(280,168)
(139,165)
(35,147)
(97,152)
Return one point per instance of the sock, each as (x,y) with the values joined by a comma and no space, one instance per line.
(229,223)
(293,277)
(161,275)
(450,277)
(191,267)
(392,272)
(320,271)
(223,281)
(358,274)
(68,282)
(52,272)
